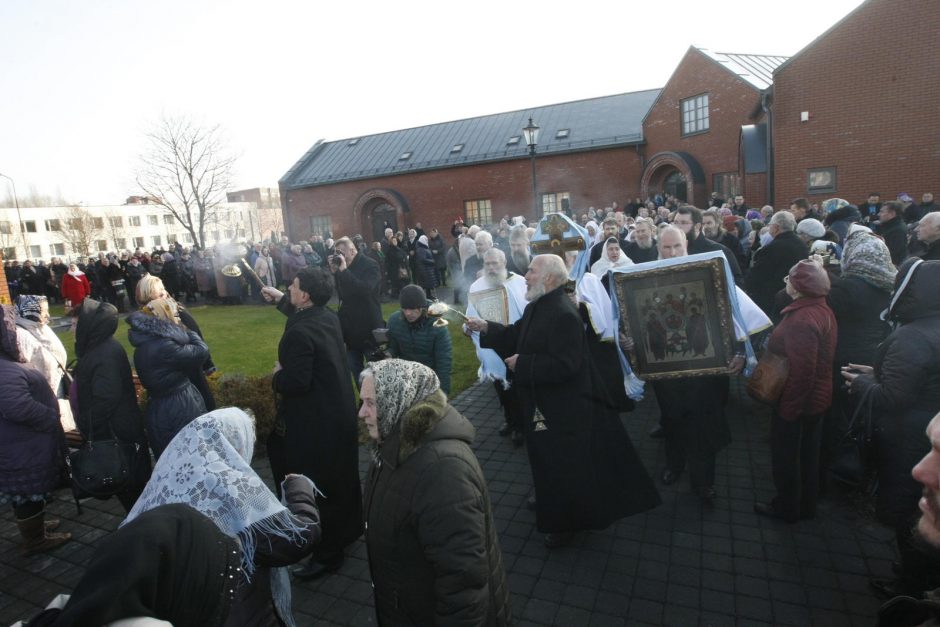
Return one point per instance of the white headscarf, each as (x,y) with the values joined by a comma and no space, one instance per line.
(602,265)
(207,466)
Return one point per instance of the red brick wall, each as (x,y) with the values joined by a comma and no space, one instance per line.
(436,197)
(731,103)
(872,88)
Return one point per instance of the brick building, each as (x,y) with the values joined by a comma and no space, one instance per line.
(706,131)
(856,111)
(728,123)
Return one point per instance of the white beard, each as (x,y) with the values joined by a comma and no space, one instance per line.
(535,292)
(498,280)
(645,246)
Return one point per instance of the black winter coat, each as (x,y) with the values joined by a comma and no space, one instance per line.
(702,244)
(107,398)
(585,469)
(167,358)
(433,547)
(905,393)
(358,288)
(424,263)
(894,232)
(316,412)
(770,264)
(857,306)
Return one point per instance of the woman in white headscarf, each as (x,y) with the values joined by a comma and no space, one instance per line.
(612,258)
(207,466)
(43,350)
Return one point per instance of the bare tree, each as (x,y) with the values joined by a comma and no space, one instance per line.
(186,170)
(114,225)
(79,229)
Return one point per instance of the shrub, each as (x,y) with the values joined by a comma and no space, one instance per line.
(249,393)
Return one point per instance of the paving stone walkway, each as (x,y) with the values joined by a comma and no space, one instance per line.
(680,564)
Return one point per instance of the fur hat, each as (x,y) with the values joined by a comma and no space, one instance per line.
(412,297)
(809,278)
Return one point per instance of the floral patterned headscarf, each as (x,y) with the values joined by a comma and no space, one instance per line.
(399,384)
(8,333)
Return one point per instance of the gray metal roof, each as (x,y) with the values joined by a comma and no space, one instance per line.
(755,69)
(593,123)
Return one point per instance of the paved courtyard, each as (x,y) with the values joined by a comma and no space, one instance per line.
(680,564)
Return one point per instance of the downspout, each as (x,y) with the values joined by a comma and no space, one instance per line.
(769,112)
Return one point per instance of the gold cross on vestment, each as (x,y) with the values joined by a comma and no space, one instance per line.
(557,244)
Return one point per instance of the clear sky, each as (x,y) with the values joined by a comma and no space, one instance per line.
(82,80)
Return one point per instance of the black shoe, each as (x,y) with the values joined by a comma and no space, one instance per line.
(506,429)
(669,476)
(530,502)
(769,510)
(657,432)
(314,570)
(555,540)
(517,439)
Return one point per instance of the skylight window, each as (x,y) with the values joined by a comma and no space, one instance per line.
(404,156)
(562,134)
(457,148)
(352,142)
(513,140)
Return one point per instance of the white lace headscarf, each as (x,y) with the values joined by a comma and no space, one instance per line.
(208,467)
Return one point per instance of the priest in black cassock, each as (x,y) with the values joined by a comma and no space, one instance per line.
(586,472)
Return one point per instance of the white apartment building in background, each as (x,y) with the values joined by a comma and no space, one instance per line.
(46,232)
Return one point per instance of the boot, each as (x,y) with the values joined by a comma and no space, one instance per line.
(35,537)
(52,524)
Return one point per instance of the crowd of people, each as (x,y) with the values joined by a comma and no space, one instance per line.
(845,294)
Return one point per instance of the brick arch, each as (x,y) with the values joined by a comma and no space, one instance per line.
(368,201)
(662,164)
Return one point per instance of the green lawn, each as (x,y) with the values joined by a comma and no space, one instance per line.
(243,339)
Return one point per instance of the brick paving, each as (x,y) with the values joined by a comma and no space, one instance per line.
(680,564)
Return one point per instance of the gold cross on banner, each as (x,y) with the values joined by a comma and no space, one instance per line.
(557,244)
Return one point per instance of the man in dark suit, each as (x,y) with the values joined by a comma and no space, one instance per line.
(772,262)
(870,208)
(358,285)
(689,219)
(892,228)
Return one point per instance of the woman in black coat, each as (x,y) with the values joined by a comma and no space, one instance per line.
(857,299)
(425,266)
(107,400)
(434,555)
(167,357)
(903,388)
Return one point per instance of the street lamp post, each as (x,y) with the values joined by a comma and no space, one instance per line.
(531,133)
(19,217)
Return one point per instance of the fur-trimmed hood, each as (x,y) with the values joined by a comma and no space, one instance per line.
(145,328)
(428,420)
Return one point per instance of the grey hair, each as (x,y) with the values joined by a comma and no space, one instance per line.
(366,372)
(518,232)
(497,253)
(484,236)
(784,220)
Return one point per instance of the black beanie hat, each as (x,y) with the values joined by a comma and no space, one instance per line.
(412,297)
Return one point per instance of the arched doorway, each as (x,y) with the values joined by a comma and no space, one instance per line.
(378,209)
(675,184)
(675,173)
(383,216)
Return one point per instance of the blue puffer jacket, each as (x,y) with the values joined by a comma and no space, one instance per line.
(32,444)
(167,358)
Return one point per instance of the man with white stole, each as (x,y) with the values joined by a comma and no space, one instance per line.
(492,368)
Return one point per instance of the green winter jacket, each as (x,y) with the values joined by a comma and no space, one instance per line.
(422,342)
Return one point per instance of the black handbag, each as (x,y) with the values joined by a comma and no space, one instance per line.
(101,468)
(850,458)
